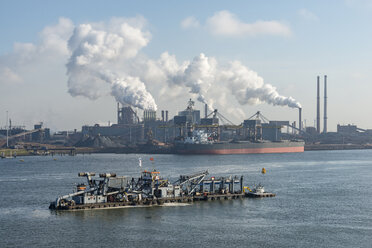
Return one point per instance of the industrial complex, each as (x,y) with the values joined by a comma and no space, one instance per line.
(191,131)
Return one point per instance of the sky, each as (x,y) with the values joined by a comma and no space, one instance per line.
(67,63)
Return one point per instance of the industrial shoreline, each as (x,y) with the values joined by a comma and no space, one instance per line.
(186,132)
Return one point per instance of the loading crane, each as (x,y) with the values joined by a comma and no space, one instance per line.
(191,181)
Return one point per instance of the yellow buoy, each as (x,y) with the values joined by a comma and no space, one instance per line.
(263,171)
(55,159)
(21,160)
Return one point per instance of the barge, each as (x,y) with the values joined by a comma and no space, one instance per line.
(150,189)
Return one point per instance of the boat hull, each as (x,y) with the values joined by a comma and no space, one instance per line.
(241,148)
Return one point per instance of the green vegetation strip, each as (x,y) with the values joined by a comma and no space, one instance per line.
(10,152)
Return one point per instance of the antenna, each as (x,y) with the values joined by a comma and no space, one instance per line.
(7,130)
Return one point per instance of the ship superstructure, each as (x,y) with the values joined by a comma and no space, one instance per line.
(255,135)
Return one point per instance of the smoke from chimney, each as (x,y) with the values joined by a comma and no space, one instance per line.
(95,53)
(104,59)
(202,72)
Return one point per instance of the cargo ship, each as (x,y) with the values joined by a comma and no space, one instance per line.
(240,147)
(200,143)
(150,189)
(257,134)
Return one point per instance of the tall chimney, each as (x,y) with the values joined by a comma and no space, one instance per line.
(325,104)
(300,119)
(206,110)
(318,107)
(118,113)
(166,115)
(162,115)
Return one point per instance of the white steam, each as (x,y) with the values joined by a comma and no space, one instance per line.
(97,53)
(104,59)
(197,76)
(249,88)
(203,72)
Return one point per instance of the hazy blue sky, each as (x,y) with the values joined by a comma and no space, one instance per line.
(287,43)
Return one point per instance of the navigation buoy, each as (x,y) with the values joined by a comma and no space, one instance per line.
(151,159)
(263,171)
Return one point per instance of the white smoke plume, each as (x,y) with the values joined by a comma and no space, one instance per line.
(203,72)
(249,88)
(104,59)
(130,90)
(98,53)
(197,75)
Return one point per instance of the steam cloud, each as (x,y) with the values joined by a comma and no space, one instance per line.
(203,72)
(104,58)
(249,88)
(197,75)
(96,51)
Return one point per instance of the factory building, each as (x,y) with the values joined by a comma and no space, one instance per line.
(128,133)
(41,134)
(186,119)
(347,129)
(129,128)
(126,116)
(161,130)
(189,115)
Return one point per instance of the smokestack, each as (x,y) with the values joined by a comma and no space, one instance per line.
(206,110)
(300,119)
(162,115)
(318,106)
(166,115)
(325,104)
(118,113)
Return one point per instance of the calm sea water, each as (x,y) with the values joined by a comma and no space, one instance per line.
(324,199)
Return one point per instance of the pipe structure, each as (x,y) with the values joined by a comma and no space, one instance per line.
(325,105)
(318,106)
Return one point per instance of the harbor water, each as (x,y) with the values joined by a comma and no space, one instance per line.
(324,199)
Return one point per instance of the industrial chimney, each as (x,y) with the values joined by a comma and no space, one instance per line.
(318,106)
(300,119)
(325,104)
(166,115)
(118,112)
(206,110)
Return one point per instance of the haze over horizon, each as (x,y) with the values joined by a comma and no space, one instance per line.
(67,63)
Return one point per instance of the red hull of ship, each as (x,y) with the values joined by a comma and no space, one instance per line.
(246,150)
